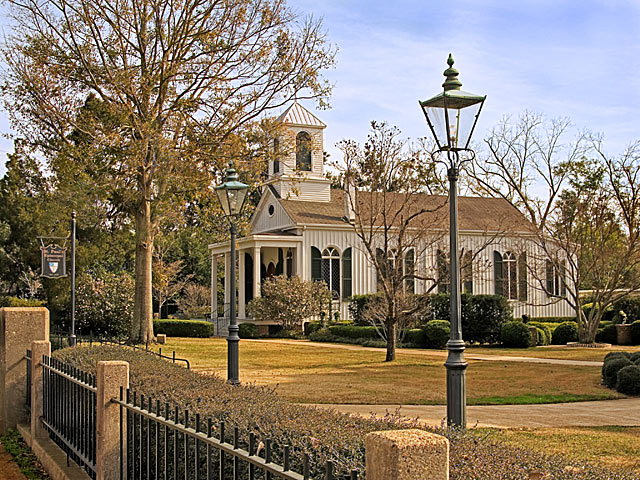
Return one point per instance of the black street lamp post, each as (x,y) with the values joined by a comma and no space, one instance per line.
(232,195)
(452,116)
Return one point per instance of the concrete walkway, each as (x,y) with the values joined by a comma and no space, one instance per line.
(434,353)
(624,412)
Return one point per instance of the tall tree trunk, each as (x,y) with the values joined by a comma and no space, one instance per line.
(142,327)
(391,340)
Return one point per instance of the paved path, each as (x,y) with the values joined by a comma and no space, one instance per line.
(436,353)
(625,412)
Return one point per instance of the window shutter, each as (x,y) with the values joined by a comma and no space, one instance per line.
(549,275)
(316,265)
(523,284)
(347,286)
(563,279)
(497,273)
(467,270)
(409,267)
(443,272)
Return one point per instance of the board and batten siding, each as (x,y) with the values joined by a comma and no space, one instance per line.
(265,222)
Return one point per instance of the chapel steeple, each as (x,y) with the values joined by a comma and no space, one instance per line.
(297,170)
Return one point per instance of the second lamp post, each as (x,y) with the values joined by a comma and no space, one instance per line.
(452,116)
(232,195)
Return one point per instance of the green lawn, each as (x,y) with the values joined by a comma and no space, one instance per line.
(322,374)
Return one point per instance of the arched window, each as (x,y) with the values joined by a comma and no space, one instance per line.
(347,274)
(510,275)
(498,283)
(276,153)
(331,270)
(556,285)
(303,152)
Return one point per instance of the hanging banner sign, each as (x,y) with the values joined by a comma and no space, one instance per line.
(54,261)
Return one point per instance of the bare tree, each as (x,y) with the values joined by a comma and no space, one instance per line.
(586,231)
(154,90)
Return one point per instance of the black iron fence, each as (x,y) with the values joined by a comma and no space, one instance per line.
(166,443)
(69,411)
(61,340)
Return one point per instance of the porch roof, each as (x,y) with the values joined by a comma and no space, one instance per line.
(274,239)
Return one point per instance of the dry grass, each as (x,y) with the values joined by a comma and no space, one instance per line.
(553,351)
(321,374)
(611,447)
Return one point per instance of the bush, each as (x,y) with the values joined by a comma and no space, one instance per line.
(546,330)
(564,333)
(436,333)
(415,337)
(628,381)
(631,307)
(353,331)
(288,301)
(634,357)
(612,355)
(541,337)
(183,328)
(611,368)
(323,434)
(322,335)
(20,302)
(357,306)
(482,315)
(635,332)
(311,327)
(515,334)
(104,303)
(248,330)
(607,334)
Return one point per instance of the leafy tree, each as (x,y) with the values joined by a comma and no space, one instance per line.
(289,301)
(167,90)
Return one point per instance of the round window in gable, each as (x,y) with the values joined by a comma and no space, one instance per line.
(271,210)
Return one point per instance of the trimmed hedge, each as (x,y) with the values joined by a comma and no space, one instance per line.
(437,333)
(20,302)
(248,330)
(415,337)
(183,328)
(628,380)
(515,334)
(564,333)
(353,331)
(611,368)
(607,334)
(635,332)
(310,327)
(323,434)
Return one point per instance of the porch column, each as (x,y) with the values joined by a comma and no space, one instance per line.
(298,267)
(227,284)
(214,287)
(241,286)
(257,262)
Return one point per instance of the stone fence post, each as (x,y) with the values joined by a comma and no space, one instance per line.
(18,328)
(406,455)
(111,376)
(38,349)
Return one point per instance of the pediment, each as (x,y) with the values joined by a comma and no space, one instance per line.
(270,215)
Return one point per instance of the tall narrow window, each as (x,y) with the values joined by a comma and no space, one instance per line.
(555,281)
(276,156)
(498,274)
(409,270)
(331,270)
(467,272)
(523,284)
(509,269)
(303,152)
(316,265)
(443,272)
(347,282)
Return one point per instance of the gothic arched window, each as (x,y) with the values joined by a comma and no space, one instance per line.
(331,270)
(510,276)
(303,152)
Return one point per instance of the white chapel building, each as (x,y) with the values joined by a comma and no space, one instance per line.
(301,227)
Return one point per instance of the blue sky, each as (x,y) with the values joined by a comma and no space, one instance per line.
(576,59)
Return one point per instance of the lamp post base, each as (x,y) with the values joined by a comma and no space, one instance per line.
(233,341)
(456,384)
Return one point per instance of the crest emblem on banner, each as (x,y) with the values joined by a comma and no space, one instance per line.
(53,261)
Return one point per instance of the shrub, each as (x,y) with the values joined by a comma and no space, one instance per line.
(635,332)
(546,330)
(415,337)
(311,327)
(612,355)
(631,307)
(564,333)
(541,337)
(357,306)
(289,300)
(482,315)
(611,368)
(104,303)
(607,334)
(322,335)
(323,434)
(628,380)
(515,334)
(634,357)
(248,330)
(353,331)
(20,302)
(183,328)
(436,333)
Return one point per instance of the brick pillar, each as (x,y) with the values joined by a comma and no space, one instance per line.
(111,376)
(406,455)
(18,328)
(38,349)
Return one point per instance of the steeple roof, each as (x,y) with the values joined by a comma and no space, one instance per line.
(297,115)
